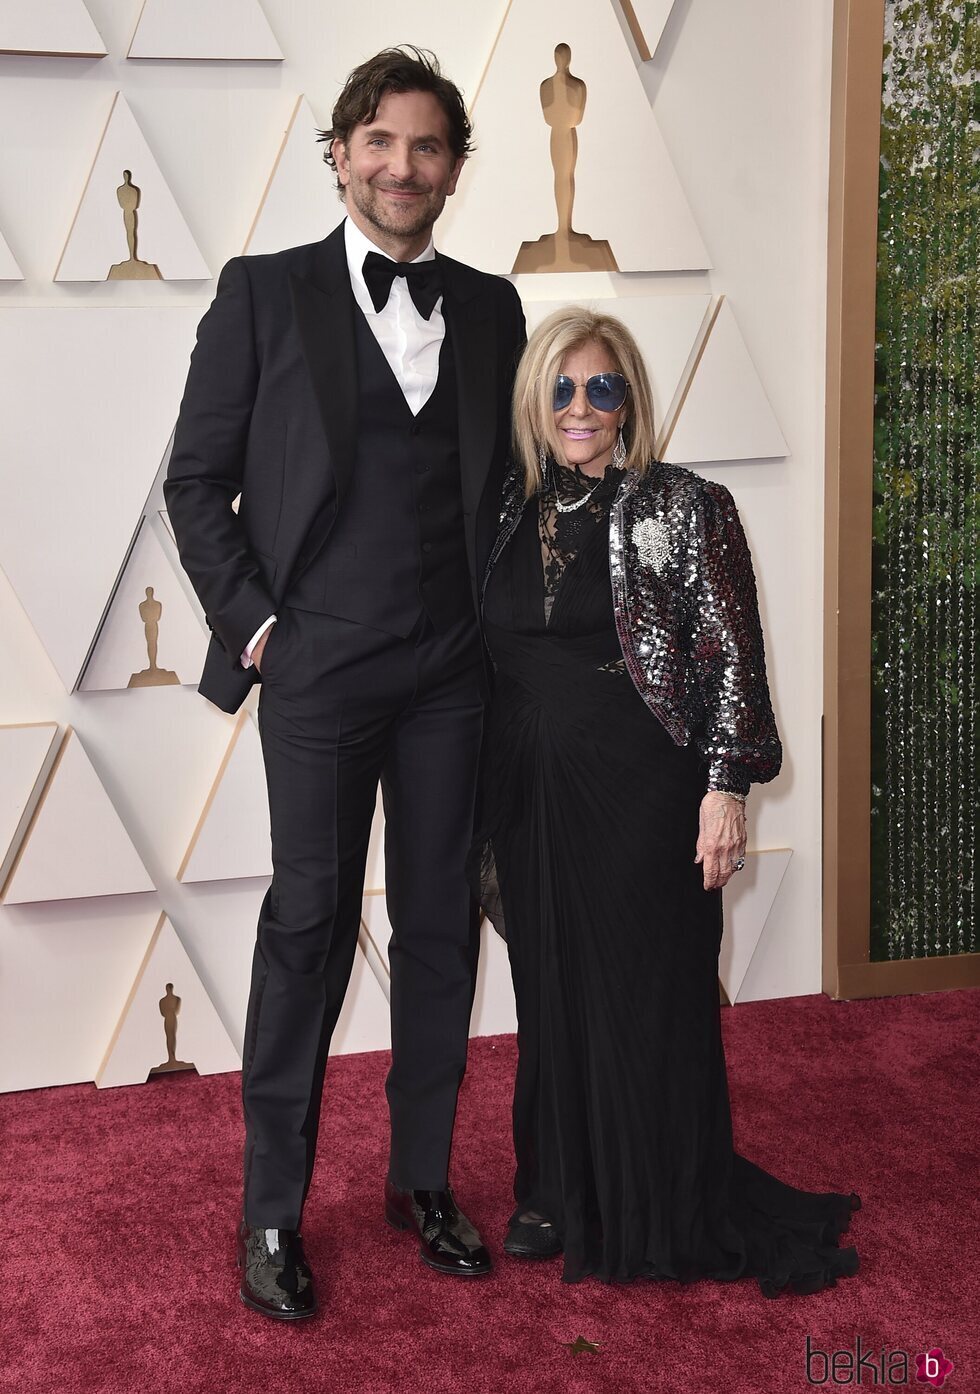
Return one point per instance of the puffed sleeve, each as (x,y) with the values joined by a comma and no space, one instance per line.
(738,737)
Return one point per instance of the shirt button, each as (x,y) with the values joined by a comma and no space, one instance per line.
(426,546)
(415,428)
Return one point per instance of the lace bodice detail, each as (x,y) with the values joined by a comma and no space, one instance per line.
(570,508)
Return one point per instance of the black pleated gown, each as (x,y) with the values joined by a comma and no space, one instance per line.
(622,1126)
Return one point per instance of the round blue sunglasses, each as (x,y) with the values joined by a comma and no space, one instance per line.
(605,391)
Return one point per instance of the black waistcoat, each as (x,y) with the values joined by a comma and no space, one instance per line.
(397,548)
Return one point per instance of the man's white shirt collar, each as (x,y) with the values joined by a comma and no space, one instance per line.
(357,247)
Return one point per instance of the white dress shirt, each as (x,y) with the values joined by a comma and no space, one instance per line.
(411,344)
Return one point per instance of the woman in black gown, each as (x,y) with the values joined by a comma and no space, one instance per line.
(630,714)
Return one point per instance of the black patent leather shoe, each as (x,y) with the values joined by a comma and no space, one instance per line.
(530,1239)
(276,1279)
(448,1242)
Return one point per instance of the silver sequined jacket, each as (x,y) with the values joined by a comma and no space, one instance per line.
(687,617)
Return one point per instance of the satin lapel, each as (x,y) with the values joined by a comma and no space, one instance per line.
(468,310)
(323,307)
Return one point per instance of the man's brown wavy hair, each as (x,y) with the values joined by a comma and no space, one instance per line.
(402,69)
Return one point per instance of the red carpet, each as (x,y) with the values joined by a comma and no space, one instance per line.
(119,1207)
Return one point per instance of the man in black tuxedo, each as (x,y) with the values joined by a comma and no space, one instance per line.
(356,393)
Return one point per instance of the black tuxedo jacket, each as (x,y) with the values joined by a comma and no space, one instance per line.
(270,412)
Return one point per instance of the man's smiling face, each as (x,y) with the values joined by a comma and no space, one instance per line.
(398,170)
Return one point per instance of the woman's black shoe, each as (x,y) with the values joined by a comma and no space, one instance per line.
(276,1279)
(531,1239)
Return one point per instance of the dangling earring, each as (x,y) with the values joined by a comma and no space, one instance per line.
(542,458)
(619,451)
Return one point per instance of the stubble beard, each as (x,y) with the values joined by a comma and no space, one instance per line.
(369,204)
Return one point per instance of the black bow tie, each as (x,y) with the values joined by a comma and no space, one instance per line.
(423,278)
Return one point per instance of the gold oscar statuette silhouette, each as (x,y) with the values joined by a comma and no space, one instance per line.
(150,612)
(128,198)
(563,103)
(170,1010)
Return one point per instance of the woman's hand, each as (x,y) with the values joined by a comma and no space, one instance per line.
(721,840)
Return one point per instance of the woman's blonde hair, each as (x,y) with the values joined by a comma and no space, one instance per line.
(534,429)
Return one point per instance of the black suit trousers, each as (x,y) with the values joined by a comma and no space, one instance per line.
(342,707)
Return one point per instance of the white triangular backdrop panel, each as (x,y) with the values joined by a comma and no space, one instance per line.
(121,650)
(62,354)
(97,239)
(749,898)
(506,199)
(26,754)
(139,1044)
(232,836)
(726,414)
(300,203)
(76,844)
(204,29)
(67,967)
(9,270)
(666,327)
(61,28)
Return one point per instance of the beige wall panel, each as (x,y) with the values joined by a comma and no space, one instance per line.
(97,240)
(30,689)
(81,472)
(726,414)
(748,901)
(374,917)
(647,19)
(365,1021)
(379,967)
(217,928)
(493,1005)
(749,897)
(506,194)
(232,836)
(76,844)
(494,1012)
(157,750)
(61,27)
(26,755)
(666,327)
(741,94)
(166,1027)
(374,875)
(65,969)
(121,657)
(213,29)
(300,203)
(9,270)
